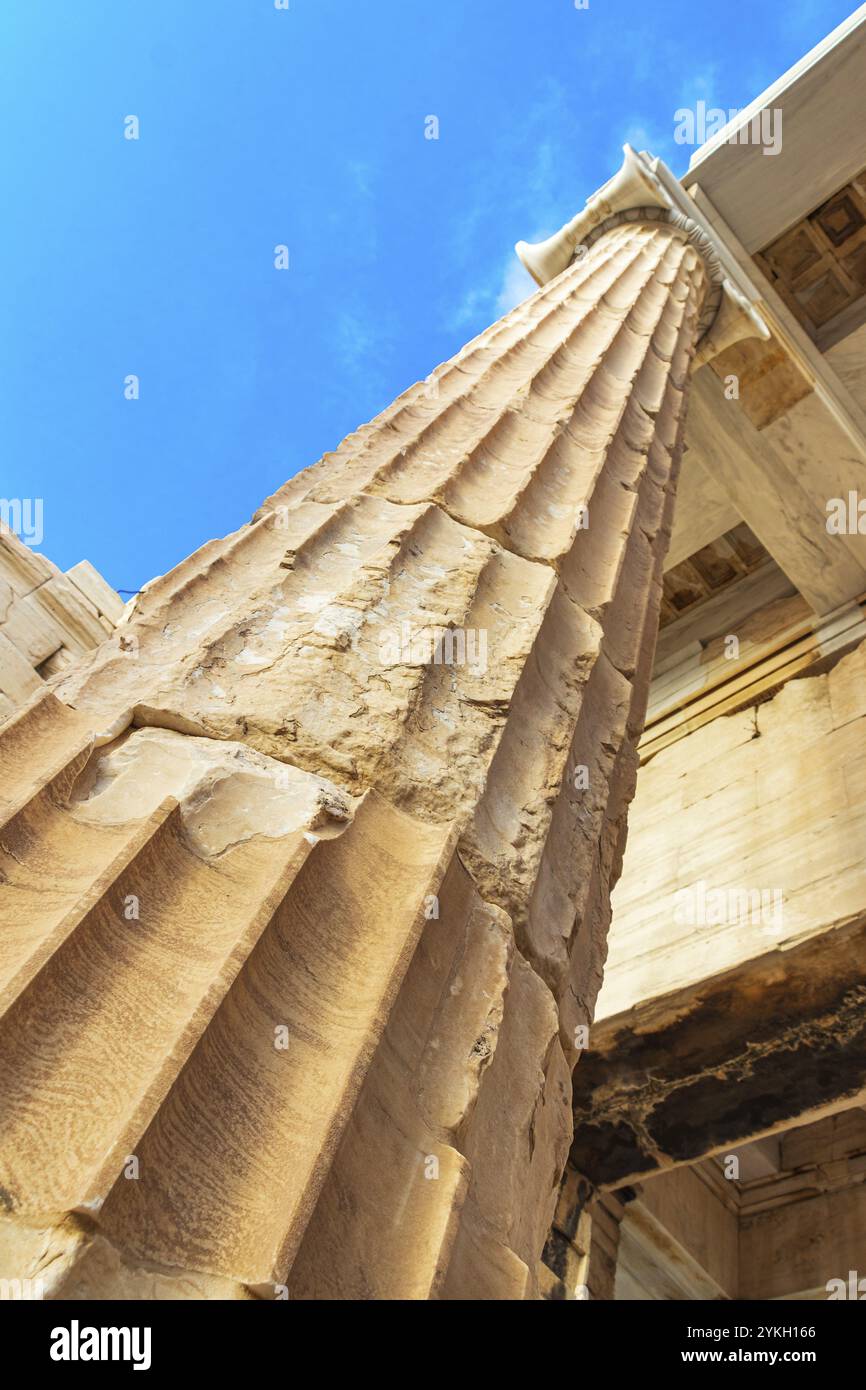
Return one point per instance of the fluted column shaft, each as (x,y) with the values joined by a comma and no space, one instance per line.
(360,773)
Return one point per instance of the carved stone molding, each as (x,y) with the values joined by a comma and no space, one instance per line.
(645,190)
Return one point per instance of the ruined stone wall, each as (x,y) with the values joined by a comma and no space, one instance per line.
(47,619)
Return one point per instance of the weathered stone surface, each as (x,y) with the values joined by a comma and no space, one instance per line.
(773,783)
(47,619)
(307,871)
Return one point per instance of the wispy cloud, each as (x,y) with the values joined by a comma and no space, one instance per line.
(362,178)
(656,139)
(530,188)
(503,289)
(354,341)
(517,285)
(360,346)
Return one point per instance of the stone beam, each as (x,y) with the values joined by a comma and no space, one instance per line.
(704,511)
(821,146)
(763,476)
(748,1053)
(788,1222)
(794,438)
(803,1228)
(682,1230)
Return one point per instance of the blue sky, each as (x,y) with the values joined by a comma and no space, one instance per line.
(306,128)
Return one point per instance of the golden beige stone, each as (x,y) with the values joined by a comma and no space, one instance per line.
(298,904)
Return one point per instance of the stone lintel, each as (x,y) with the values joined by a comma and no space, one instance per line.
(747,1053)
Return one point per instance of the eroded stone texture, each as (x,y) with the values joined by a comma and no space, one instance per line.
(300,916)
(47,619)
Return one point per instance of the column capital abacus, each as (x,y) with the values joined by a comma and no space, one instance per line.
(645,190)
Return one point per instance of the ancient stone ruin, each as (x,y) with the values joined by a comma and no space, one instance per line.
(307,859)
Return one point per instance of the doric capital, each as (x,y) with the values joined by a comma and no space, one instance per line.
(644,189)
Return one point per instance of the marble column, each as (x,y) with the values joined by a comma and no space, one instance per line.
(306,872)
